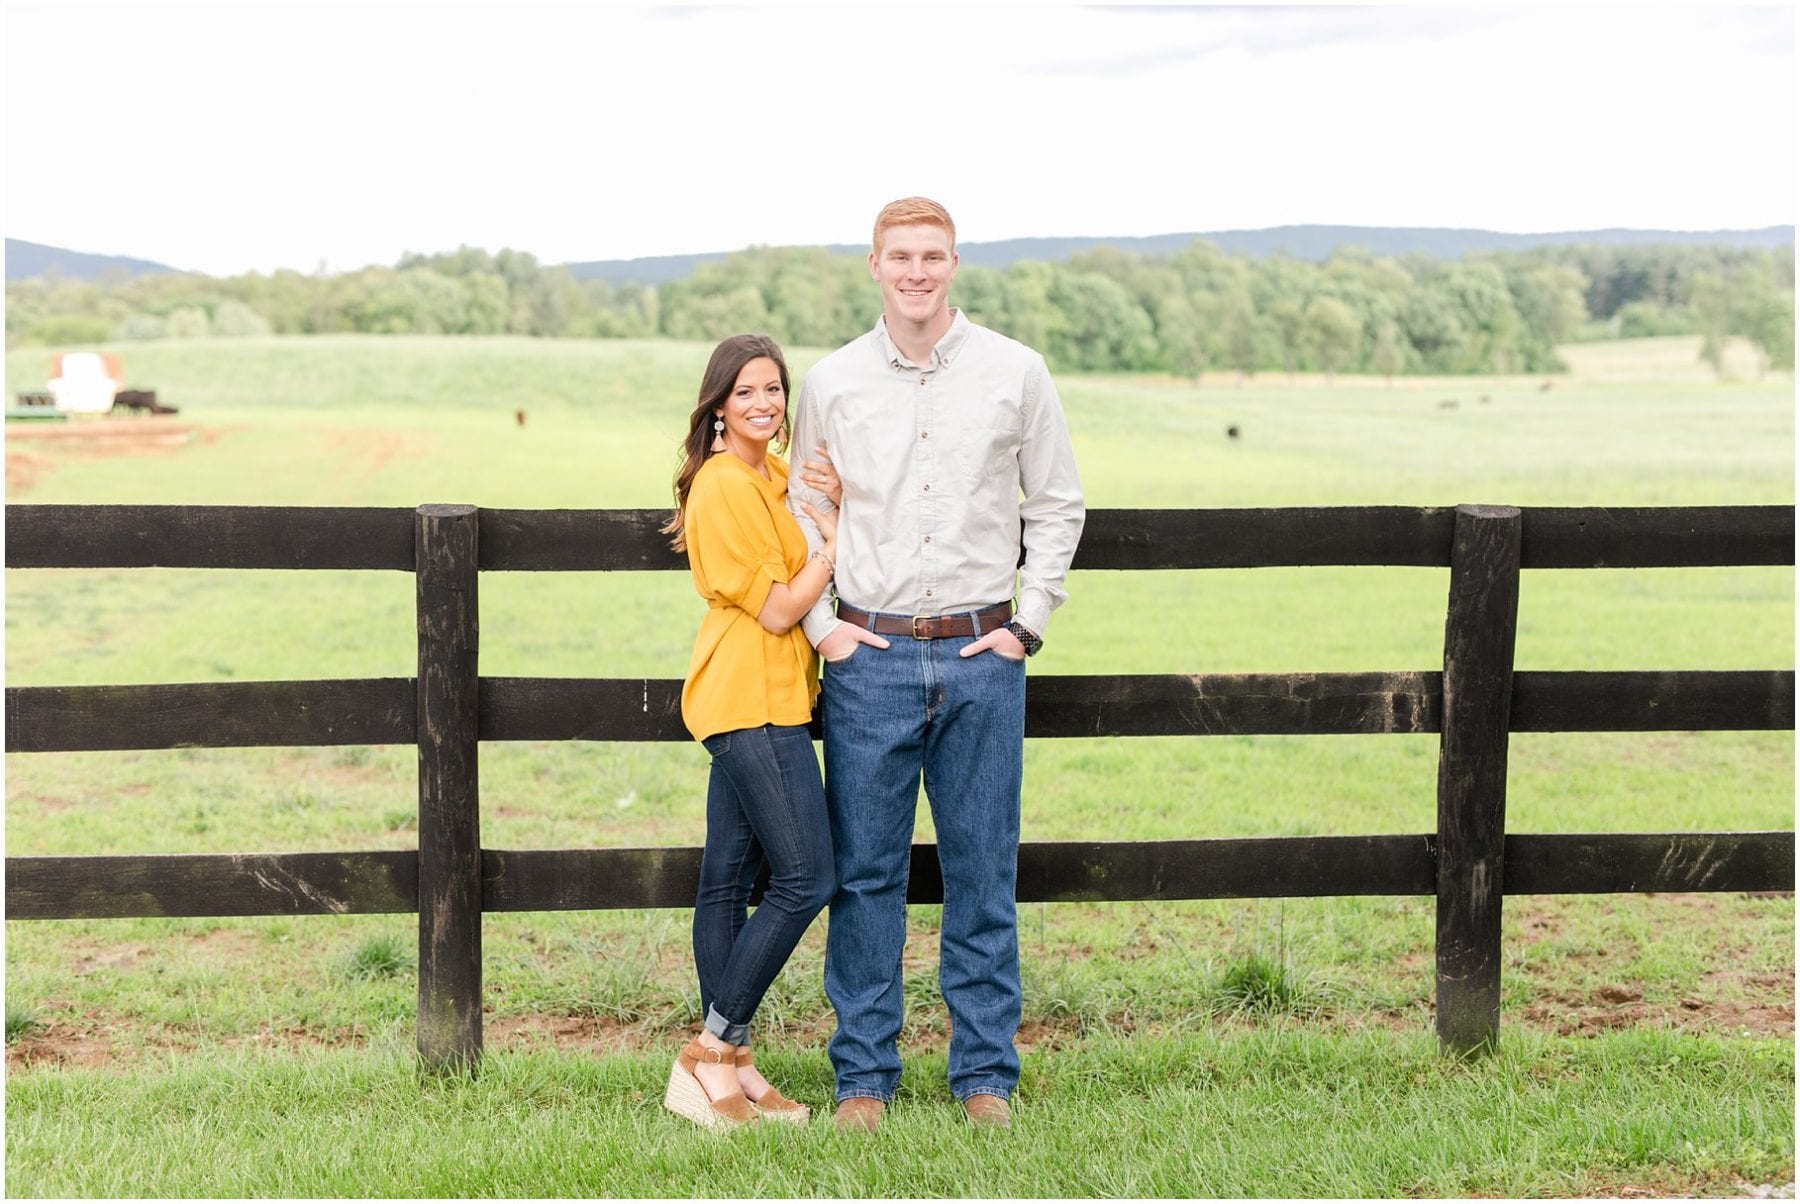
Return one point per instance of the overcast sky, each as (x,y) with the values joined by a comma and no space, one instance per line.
(226,139)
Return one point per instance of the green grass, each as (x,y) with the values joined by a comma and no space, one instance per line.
(247,1056)
(1287,1112)
(21,1021)
(385,955)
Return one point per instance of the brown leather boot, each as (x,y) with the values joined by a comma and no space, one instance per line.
(774,1105)
(686,1097)
(860,1114)
(988,1112)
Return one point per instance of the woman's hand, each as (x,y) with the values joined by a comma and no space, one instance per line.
(820,474)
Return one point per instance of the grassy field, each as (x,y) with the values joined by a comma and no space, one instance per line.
(1649,1039)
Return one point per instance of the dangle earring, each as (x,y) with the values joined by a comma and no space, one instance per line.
(718,443)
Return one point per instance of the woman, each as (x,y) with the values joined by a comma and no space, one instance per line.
(748,698)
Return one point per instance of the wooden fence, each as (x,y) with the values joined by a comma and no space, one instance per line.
(1469,863)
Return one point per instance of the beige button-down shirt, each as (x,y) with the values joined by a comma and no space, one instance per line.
(940,462)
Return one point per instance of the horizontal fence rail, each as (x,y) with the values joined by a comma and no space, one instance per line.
(236,884)
(327,537)
(279,714)
(1472,706)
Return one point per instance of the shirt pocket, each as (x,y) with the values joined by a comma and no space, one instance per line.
(988,458)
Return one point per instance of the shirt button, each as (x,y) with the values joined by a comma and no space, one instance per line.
(928,539)
(927,489)
(924,434)
(928,593)
(921,382)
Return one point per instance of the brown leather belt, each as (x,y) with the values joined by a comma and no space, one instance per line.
(929,627)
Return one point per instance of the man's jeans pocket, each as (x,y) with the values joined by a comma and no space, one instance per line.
(845,659)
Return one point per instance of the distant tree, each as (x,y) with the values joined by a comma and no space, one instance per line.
(1031,316)
(1387,349)
(1102,327)
(1711,305)
(1485,307)
(713,316)
(981,294)
(1187,331)
(235,320)
(188,322)
(1764,314)
(65,330)
(1333,333)
(140,328)
(1431,320)
(1647,319)
(1244,337)
(1286,320)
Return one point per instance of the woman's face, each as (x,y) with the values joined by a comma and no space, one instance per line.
(754,410)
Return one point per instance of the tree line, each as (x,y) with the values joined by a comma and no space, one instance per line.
(1198,310)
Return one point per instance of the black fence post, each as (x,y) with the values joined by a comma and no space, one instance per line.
(1479,629)
(449,1025)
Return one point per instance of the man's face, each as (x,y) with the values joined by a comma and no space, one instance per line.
(914,267)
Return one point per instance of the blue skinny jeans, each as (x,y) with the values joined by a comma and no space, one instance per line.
(765,799)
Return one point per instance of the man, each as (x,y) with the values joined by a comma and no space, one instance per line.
(946,436)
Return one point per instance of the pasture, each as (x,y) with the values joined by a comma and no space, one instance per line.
(1647,1041)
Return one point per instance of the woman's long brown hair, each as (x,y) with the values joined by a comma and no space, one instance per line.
(728,359)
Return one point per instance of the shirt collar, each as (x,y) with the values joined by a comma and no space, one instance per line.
(941,354)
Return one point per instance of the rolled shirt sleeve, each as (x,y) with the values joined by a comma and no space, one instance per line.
(736,561)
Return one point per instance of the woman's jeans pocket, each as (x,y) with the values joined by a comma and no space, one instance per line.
(717,745)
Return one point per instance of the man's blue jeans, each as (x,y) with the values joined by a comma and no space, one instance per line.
(764,799)
(891,715)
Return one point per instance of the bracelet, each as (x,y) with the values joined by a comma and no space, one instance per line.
(830,564)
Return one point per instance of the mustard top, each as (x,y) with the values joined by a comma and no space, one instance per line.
(741,540)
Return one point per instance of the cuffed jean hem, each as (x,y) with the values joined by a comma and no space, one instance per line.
(725,1030)
(963,1093)
(863,1094)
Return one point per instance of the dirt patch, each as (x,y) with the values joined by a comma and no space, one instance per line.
(295,1036)
(583,1034)
(1540,925)
(33,451)
(50,804)
(107,957)
(23,471)
(1649,1184)
(1614,1007)
(58,1046)
(358,457)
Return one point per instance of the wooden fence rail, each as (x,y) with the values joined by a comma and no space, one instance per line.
(1469,863)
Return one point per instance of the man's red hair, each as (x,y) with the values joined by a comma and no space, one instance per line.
(913,211)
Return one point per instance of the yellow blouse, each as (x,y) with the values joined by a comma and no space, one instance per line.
(741,540)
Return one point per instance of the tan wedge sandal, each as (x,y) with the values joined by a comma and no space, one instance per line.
(686,1097)
(774,1105)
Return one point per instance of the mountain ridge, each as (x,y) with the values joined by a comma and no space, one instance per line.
(29,260)
(1314,242)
